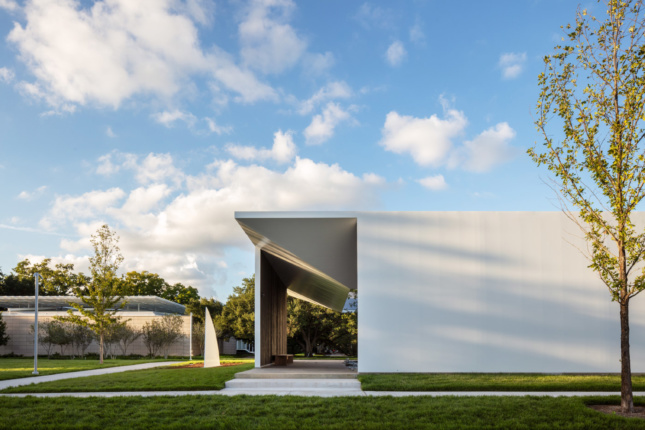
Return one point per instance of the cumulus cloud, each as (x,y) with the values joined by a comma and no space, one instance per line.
(269,43)
(331,91)
(512,64)
(30,195)
(490,148)
(213,127)
(168,118)
(430,141)
(9,5)
(395,53)
(183,234)
(323,125)
(434,183)
(427,140)
(6,75)
(153,168)
(118,49)
(282,151)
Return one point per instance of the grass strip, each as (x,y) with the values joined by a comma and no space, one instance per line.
(14,368)
(494,382)
(168,378)
(270,412)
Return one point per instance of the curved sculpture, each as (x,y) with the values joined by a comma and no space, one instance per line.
(211,349)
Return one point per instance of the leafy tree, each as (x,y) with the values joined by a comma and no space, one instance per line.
(199,336)
(180,293)
(308,324)
(102,294)
(594,88)
(238,315)
(160,334)
(52,333)
(198,306)
(82,337)
(4,338)
(58,281)
(150,284)
(126,335)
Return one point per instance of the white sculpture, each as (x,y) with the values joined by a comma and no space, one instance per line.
(211,349)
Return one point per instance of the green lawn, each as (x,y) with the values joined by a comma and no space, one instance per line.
(272,412)
(168,378)
(12,368)
(493,382)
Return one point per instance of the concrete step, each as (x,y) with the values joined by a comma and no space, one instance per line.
(294,384)
(320,392)
(294,375)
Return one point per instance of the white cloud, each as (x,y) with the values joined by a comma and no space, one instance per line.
(213,127)
(154,168)
(427,140)
(331,91)
(184,234)
(395,53)
(9,5)
(512,64)
(417,36)
(6,75)
(30,195)
(323,125)
(168,118)
(109,132)
(430,141)
(490,148)
(119,49)
(269,43)
(282,151)
(435,183)
(374,16)
(318,64)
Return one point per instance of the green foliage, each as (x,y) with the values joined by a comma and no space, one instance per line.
(126,335)
(198,306)
(150,284)
(159,334)
(56,281)
(4,338)
(238,315)
(593,87)
(101,296)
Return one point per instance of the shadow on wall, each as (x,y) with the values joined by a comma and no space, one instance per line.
(492,292)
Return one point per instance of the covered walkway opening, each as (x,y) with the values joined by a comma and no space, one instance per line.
(310,256)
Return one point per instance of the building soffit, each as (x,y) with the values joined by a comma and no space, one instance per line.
(314,257)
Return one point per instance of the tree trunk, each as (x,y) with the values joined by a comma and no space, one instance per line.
(101,348)
(626,396)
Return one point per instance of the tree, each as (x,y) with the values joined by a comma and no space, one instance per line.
(179,293)
(101,297)
(82,338)
(160,334)
(594,88)
(127,335)
(53,282)
(310,325)
(238,315)
(150,284)
(199,336)
(198,306)
(4,338)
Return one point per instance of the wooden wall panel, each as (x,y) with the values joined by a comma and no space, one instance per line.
(273,314)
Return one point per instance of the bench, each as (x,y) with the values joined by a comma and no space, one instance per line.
(282,359)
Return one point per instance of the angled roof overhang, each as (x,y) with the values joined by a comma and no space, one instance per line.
(314,254)
(59,303)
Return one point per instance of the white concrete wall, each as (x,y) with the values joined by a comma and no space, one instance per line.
(484,292)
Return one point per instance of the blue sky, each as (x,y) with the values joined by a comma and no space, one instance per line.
(163,117)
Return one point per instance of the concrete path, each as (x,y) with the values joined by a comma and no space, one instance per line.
(331,393)
(58,376)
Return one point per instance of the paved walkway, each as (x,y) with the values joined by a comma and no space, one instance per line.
(331,393)
(58,376)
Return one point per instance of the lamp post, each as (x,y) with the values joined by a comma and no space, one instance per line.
(190,342)
(35,372)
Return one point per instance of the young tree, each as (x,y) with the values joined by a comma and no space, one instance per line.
(82,338)
(199,336)
(160,334)
(594,88)
(127,335)
(101,297)
(4,338)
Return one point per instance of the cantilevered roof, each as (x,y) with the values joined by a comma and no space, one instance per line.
(57,303)
(313,253)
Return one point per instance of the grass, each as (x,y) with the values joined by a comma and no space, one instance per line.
(268,412)
(167,378)
(12,368)
(494,382)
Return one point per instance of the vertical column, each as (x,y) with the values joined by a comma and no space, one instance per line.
(258,307)
(273,313)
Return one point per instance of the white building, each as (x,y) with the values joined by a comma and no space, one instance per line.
(444,291)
